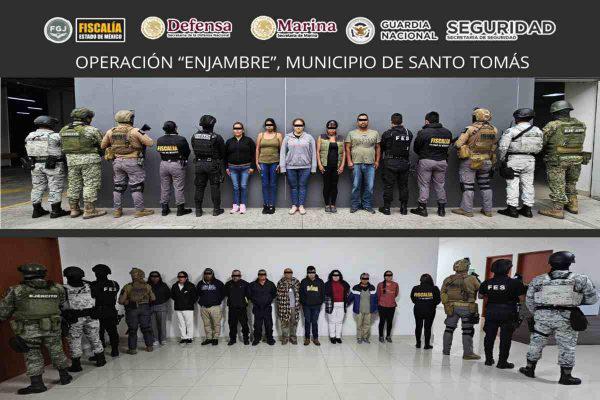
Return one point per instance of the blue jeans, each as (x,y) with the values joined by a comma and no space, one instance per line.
(311,319)
(363,179)
(239,178)
(268,177)
(298,181)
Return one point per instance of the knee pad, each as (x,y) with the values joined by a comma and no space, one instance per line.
(467,187)
(138,187)
(450,329)
(468,331)
(120,187)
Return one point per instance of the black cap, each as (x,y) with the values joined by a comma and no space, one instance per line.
(331,124)
(310,269)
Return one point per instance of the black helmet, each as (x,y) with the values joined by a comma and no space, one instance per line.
(502,266)
(73,272)
(45,120)
(169,126)
(524,113)
(331,124)
(561,259)
(208,122)
(101,269)
(32,270)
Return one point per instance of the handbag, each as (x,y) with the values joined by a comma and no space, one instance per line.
(505,171)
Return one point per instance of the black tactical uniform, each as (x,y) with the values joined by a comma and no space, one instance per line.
(395,147)
(105,293)
(209,151)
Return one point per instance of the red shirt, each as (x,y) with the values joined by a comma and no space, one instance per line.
(387,299)
(338,291)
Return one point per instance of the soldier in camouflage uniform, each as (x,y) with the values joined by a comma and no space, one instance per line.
(78,310)
(552,298)
(35,304)
(81,144)
(47,165)
(564,155)
(459,292)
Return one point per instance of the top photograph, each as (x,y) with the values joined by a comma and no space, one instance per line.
(299,153)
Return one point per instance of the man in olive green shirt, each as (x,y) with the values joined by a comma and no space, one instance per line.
(363,154)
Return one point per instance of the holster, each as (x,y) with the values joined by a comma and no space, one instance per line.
(449,309)
(51,162)
(18,344)
(505,171)
(109,154)
(586,156)
(27,163)
(474,308)
(578,321)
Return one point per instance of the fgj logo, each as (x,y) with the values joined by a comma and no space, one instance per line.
(360,30)
(100,30)
(153,28)
(263,27)
(192,28)
(58,30)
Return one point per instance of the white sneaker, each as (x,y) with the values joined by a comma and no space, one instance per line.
(155,344)
(234,209)
(293,210)
(242,209)
(163,343)
(302,210)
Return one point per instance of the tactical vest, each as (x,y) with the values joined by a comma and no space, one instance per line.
(38,147)
(568,138)
(139,293)
(79,297)
(483,141)
(107,293)
(75,141)
(37,303)
(558,292)
(324,150)
(398,144)
(203,144)
(456,290)
(120,141)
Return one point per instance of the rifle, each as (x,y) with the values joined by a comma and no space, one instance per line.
(142,154)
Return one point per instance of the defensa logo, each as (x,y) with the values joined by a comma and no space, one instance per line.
(360,30)
(153,28)
(58,30)
(497,30)
(100,30)
(264,28)
(195,29)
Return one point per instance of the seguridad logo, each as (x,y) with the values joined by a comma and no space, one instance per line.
(496,30)
(265,27)
(193,28)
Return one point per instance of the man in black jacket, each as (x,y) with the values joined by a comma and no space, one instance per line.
(235,291)
(431,145)
(261,293)
(184,296)
(105,292)
(211,292)
(312,296)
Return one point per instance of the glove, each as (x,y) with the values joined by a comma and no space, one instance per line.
(64,327)
(69,316)
(18,344)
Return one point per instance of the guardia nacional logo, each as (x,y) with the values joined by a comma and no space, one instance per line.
(153,28)
(58,30)
(360,30)
(263,27)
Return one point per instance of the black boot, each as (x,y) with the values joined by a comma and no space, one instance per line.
(58,212)
(199,211)
(114,351)
(441,209)
(65,377)
(231,341)
(37,386)
(529,370)
(403,207)
(526,212)
(181,210)
(246,341)
(505,365)
(566,378)
(510,211)
(265,209)
(75,365)
(217,212)
(38,211)
(489,361)
(165,209)
(100,359)
(385,210)
(420,210)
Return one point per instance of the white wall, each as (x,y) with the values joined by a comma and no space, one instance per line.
(596,156)
(407,257)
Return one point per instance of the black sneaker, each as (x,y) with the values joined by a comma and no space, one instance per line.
(217,212)
(489,362)
(332,340)
(255,342)
(246,341)
(183,341)
(271,342)
(339,340)
(205,342)
(370,210)
(265,209)
(215,342)
(353,210)
(271,209)
(505,365)
(385,210)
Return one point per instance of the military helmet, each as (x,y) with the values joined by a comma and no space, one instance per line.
(561,259)
(482,115)
(79,114)
(501,266)
(45,120)
(32,270)
(208,122)
(560,105)
(73,272)
(124,116)
(462,265)
(137,274)
(524,113)
(102,269)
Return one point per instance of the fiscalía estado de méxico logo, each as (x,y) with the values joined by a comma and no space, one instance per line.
(58,30)
(100,30)
(265,27)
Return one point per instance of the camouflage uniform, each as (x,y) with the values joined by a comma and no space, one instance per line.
(554,321)
(40,144)
(80,298)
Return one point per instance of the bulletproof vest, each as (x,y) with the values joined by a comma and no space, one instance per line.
(36,303)
(203,144)
(75,141)
(398,143)
(79,298)
(568,138)
(38,146)
(120,141)
(558,292)
(531,142)
(483,140)
(456,289)
(107,293)
(139,292)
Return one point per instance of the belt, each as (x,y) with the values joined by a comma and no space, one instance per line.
(395,158)
(520,154)
(208,159)
(44,159)
(566,308)
(177,160)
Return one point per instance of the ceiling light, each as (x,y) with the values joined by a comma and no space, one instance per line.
(36,108)
(553,95)
(23,113)
(20,99)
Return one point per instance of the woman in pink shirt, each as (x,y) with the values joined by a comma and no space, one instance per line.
(387,291)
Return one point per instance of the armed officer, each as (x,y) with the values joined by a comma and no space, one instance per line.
(35,305)
(395,146)
(209,150)
(554,298)
(47,164)
(459,292)
(174,152)
(501,312)
(124,146)
(105,292)
(136,296)
(564,155)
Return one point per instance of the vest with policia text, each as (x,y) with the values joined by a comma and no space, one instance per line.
(397,143)
(568,138)
(75,141)
(119,140)
(203,144)
(482,142)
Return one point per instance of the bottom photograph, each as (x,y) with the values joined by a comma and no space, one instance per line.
(161,318)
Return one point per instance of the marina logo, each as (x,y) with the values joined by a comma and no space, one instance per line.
(360,30)
(497,30)
(407,30)
(194,29)
(100,30)
(153,28)
(58,30)
(264,28)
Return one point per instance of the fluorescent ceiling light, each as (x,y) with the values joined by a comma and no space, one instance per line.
(20,99)
(23,113)
(36,108)
(553,95)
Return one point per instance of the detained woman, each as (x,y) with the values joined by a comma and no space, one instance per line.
(240,152)
(426,297)
(331,161)
(387,291)
(268,144)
